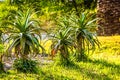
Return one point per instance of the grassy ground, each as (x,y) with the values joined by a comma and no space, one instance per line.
(104,64)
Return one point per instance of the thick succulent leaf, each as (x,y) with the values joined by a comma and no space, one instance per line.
(66,32)
(22,44)
(27,19)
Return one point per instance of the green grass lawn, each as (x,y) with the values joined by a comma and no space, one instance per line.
(104,64)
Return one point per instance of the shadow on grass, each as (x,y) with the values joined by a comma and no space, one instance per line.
(50,76)
(104,63)
(88,73)
(26,76)
(94,74)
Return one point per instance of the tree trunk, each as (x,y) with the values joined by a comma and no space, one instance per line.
(81,48)
(64,55)
(109,12)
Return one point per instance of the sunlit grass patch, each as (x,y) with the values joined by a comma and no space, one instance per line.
(109,49)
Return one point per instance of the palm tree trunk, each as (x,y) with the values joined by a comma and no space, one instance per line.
(109,13)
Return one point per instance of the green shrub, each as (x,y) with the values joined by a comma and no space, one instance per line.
(26,65)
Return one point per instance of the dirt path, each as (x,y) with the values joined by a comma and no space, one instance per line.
(42,60)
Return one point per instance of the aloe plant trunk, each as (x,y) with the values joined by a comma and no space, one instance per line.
(17,51)
(80,48)
(64,54)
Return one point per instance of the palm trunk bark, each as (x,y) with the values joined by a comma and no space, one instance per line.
(109,13)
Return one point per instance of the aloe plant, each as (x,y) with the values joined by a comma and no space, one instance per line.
(62,42)
(85,28)
(24,33)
